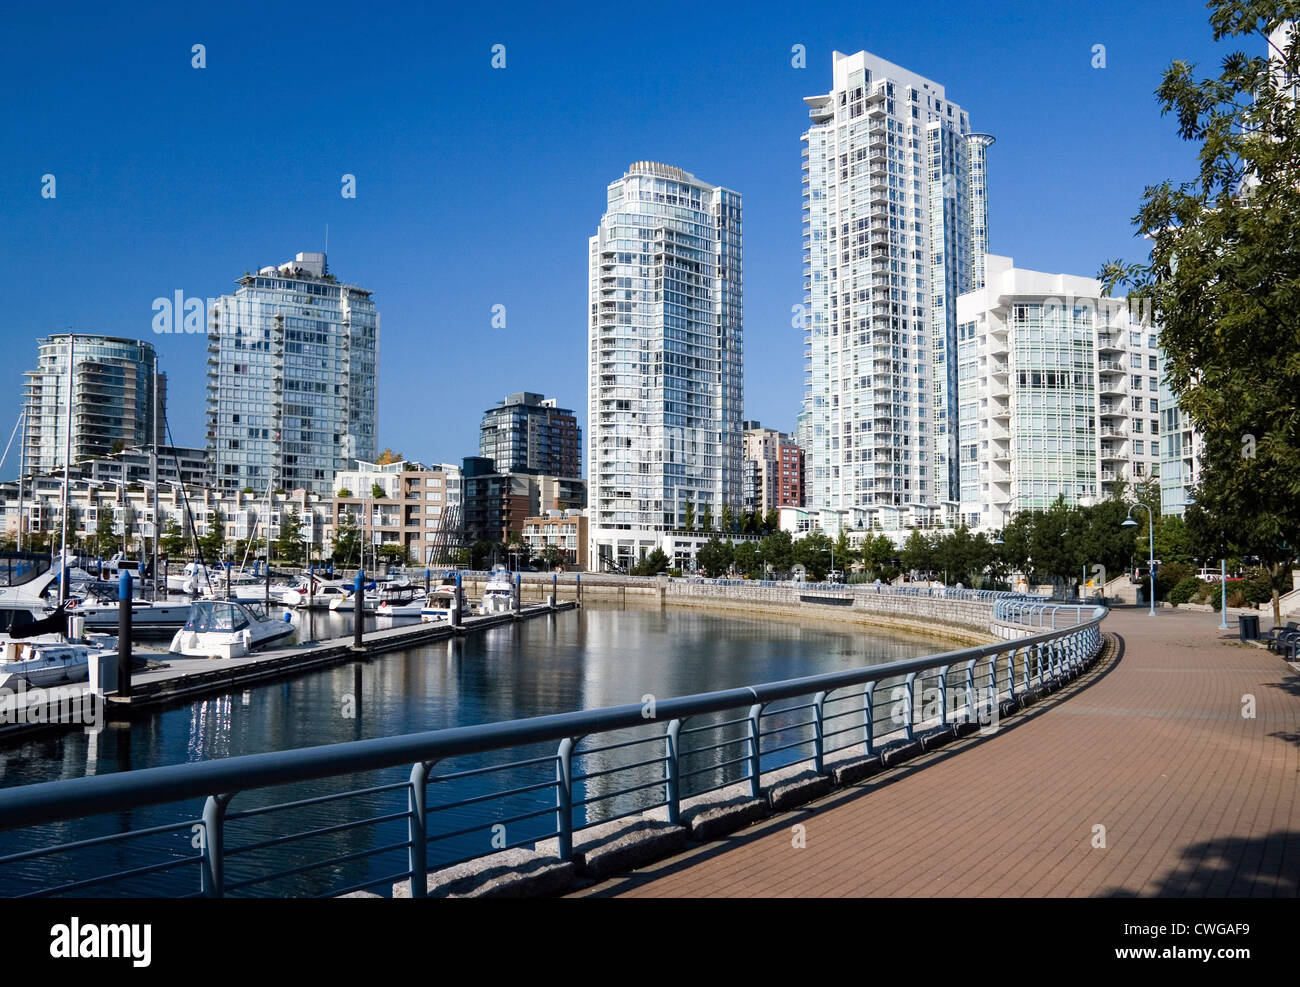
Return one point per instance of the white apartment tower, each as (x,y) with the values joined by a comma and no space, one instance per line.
(895,228)
(664,396)
(1059,393)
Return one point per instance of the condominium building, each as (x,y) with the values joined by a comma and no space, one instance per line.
(1058,390)
(403,504)
(497,504)
(115,403)
(176,464)
(529,433)
(291,378)
(895,228)
(774,469)
(565,530)
(664,359)
(1180,451)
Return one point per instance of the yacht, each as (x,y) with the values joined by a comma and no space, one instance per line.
(438,601)
(227,629)
(103,615)
(499,594)
(389,595)
(313,592)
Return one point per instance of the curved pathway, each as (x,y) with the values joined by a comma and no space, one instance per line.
(1151,744)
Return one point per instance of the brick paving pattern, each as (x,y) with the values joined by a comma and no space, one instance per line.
(1196,799)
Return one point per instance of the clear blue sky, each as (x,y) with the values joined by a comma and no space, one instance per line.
(478,186)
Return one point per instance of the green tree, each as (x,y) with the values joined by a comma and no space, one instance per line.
(288,545)
(777,550)
(918,552)
(772,521)
(376,492)
(1053,553)
(213,540)
(651,564)
(728,520)
(347,539)
(343,493)
(845,556)
(813,552)
(105,536)
(878,551)
(706,519)
(173,540)
(1222,279)
(746,559)
(714,556)
(554,557)
(689,523)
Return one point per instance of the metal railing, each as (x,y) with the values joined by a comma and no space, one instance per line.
(385,815)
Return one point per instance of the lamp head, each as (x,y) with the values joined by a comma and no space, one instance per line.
(1128,522)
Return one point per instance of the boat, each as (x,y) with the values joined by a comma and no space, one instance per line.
(315,593)
(499,593)
(390,610)
(103,615)
(439,600)
(227,629)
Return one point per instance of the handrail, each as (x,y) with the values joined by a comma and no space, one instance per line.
(220,780)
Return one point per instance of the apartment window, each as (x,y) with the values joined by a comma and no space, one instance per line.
(1151,362)
(1135,361)
(1137,425)
(1139,447)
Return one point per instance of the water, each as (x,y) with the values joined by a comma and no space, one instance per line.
(574,660)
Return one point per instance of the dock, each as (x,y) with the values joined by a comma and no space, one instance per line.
(71,706)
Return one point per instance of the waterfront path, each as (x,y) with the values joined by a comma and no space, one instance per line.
(1151,744)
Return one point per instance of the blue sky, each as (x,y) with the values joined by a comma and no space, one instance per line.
(479,186)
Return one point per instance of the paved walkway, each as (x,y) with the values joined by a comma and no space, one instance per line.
(1195,799)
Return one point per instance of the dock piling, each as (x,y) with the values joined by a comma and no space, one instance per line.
(124,634)
(358,611)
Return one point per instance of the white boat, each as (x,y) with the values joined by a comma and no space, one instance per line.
(387,594)
(44,664)
(388,610)
(499,593)
(103,615)
(438,601)
(227,629)
(315,593)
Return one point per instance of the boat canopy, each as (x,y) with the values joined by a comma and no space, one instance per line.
(221,615)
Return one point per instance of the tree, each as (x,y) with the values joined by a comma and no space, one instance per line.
(651,564)
(173,540)
(554,557)
(777,550)
(388,457)
(1222,278)
(288,545)
(728,520)
(771,521)
(343,493)
(347,538)
(376,492)
(1053,554)
(689,523)
(714,556)
(105,536)
(844,554)
(918,552)
(813,552)
(706,519)
(877,552)
(213,540)
(746,559)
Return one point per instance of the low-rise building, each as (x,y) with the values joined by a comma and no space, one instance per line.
(565,530)
(406,504)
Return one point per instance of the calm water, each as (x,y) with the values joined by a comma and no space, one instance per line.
(575,660)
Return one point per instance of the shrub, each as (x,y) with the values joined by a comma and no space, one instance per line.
(1170,575)
(1185,590)
(1257,587)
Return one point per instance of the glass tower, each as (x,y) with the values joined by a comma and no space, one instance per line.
(664,360)
(895,227)
(292,360)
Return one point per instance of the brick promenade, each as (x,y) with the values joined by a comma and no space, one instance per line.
(1151,744)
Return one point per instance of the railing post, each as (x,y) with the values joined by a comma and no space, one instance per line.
(755,750)
(673,767)
(417,828)
(211,867)
(564,798)
(869,716)
(943,696)
(970,690)
(909,684)
(819,737)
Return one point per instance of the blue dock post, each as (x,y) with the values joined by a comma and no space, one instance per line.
(578,595)
(519,592)
(457,603)
(124,634)
(555,584)
(358,611)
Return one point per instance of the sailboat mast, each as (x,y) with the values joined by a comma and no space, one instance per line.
(22,468)
(67,470)
(153,465)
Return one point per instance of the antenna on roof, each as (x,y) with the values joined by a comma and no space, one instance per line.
(327,238)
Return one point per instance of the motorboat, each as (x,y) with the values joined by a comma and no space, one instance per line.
(388,595)
(103,615)
(440,600)
(389,610)
(499,593)
(315,593)
(227,629)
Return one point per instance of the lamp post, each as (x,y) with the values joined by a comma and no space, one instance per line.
(1223,599)
(1151,549)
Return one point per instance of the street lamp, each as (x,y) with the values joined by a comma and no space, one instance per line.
(1151,549)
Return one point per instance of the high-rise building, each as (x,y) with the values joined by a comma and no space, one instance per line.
(664,360)
(774,468)
(292,392)
(895,228)
(1180,451)
(1059,394)
(114,404)
(529,433)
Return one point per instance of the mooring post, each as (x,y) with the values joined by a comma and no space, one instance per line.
(358,611)
(555,582)
(268,580)
(426,582)
(578,595)
(124,634)
(519,592)
(457,602)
